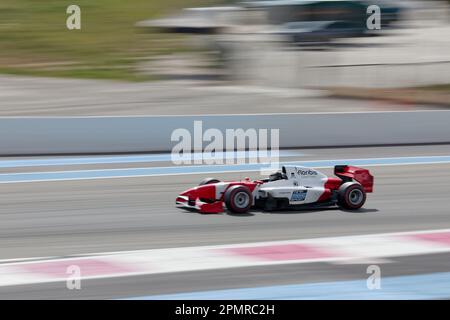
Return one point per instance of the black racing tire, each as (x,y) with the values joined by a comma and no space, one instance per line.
(208,181)
(351,196)
(238,199)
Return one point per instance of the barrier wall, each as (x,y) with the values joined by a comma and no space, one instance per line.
(84,135)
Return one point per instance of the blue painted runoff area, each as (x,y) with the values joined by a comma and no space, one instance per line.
(207,169)
(157,157)
(411,287)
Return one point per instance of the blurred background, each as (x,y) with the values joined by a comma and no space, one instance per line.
(267,45)
(99,191)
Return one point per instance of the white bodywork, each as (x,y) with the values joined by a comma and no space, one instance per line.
(303,185)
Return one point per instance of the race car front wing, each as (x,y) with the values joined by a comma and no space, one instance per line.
(200,206)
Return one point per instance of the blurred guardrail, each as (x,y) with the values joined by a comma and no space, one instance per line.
(88,135)
(384,65)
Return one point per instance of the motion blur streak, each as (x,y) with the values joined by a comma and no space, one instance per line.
(61,161)
(427,286)
(58,219)
(174,170)
(169,260)
(114,215)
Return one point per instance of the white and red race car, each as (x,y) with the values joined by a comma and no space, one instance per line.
(291,187)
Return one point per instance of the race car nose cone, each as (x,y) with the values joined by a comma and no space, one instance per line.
(187,197)
(190,193)
(203,192)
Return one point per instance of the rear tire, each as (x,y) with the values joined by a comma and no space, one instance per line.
(208,181)
(238,199)
(351,196)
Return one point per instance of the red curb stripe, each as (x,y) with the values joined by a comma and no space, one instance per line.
(439,237)
(281,252)
(88,267)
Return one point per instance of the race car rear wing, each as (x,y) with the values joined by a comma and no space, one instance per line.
(348,173)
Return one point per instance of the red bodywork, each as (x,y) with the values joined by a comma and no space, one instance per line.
(347,173)
(205,198)
(360,175)
(209,198)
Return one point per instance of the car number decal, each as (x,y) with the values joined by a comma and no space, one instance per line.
(299,195)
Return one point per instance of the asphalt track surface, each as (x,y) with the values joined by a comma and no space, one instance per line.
(89,216)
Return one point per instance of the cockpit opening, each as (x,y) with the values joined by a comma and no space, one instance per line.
(278,176)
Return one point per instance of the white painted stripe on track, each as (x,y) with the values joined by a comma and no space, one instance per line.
(136,158)
(206,169)
(158,261)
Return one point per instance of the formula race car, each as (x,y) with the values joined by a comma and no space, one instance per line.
(290,187)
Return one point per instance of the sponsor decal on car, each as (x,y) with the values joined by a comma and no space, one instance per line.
(299,195)
(306,172)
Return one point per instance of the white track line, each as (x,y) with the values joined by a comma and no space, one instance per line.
(346,249)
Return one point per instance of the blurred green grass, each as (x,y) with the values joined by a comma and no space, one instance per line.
(438,88)
(34,39)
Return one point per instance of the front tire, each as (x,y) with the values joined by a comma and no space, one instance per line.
(208,181)
(351,196)
(238,199)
